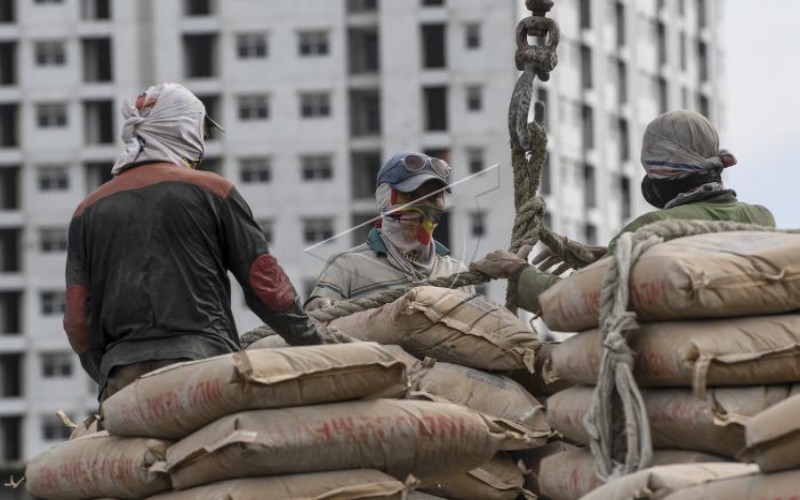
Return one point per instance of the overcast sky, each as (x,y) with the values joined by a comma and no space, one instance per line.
(762,81)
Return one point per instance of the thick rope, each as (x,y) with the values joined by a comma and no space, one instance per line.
(616,385)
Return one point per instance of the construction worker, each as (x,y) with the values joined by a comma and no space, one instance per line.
(683,179)
(400,250)
(150,250)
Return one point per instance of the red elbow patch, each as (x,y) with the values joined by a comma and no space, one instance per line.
(75,312)
(271,284)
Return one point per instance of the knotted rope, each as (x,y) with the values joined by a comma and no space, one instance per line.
(616,384)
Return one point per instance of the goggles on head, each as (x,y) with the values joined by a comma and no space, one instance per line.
(415,163)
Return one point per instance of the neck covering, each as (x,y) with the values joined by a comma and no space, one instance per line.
(683,144)
(413,253)
(164,124)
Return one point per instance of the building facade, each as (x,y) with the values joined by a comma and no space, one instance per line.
(314,95)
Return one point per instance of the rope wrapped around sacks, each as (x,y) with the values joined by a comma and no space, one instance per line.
(616,384)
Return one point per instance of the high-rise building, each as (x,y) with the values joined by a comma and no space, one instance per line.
(314,95)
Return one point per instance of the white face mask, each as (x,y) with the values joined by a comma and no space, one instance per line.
(166,124)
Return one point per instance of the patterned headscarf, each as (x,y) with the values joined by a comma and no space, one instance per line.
(165,123)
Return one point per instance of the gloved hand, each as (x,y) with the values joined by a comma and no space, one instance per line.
(576,255)
(501,264)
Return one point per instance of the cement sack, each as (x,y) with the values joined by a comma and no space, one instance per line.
(89,426)
(98,465)
(498,479)
(429,440)
(447,325)
(678,419)
(753,486)
(488,393)
(742,351)
(773,437)
(337,485)
(176,400)
(718,275)
(658,482)
(572,474)
(530,461)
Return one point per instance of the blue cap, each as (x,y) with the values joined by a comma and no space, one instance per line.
(395,173)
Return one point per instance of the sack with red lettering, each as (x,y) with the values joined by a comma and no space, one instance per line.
(572,474)
(739,351)
(487,393)
(678,419)
(98,465)
(668,481)
(341,485)
(773,437)
(498,479)
(752,486)
(430,440)
(717,275)
(447,325)
(176,400)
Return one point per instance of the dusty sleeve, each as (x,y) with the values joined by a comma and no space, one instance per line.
(530,283)
(334,282)
(86,341)
(267,289)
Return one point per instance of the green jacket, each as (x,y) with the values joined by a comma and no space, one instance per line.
(531,282)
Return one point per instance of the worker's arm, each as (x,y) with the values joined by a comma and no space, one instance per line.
(267,289)
(87,342)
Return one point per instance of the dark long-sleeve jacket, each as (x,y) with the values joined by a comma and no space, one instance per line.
(147,271)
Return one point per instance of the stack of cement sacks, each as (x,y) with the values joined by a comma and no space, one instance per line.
(719,344)
(332,421)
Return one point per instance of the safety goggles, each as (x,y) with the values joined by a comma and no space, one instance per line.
(416,214)
(415,163)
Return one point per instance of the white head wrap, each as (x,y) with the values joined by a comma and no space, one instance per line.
(165,123)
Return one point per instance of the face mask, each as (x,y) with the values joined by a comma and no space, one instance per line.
(416,224)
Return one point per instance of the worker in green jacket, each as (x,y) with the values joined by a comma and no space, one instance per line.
(683,166)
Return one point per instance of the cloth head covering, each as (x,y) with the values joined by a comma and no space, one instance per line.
(683,144)
(413,253)
(678,144)
(165,123)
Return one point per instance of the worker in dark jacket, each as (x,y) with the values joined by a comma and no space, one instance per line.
(683,166)
(150,250)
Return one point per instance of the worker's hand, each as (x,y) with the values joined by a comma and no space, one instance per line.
(501,264)
(318,303)
(576,255)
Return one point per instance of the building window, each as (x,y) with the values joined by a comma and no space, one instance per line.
(51,115)
(267,229)
(50,53)
(626,208)
(663,95)
(432,3)
(362,5)
(48,1)
(619,17)
(682,50)
(472,35)
(622,82)
(589,187)
(544,180)
(97,62)
(475,160)
(662,43)
(365,112)
(97,173)
(587,119)
(251,45)
(53,240)
(57,365)
(253,107)
(590,233)
(624,140)
(585,14)
(95,10)
(313,43)
(53,179)
(200,55)
(435,102)
(477,224)
(197,7)
(53,429)
(433,46)
(586,67)
(474,98)
(702,61)
(98,122)
(316,167)
(52,303)
(317,230)
(315,104)
(255,170)
(363,50)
